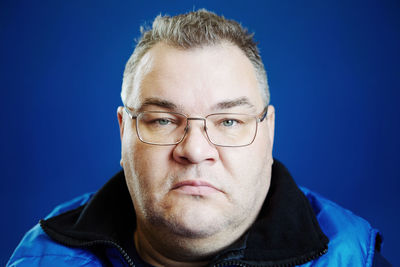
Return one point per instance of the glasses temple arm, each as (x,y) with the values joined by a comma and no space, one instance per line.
(129,113)
(263,115)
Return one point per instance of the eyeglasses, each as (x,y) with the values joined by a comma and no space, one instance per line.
(222,129)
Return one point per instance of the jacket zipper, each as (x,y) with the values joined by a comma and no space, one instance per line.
(294,263)
(120,249)
(105,242)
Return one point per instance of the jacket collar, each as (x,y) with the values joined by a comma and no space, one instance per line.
(286,230)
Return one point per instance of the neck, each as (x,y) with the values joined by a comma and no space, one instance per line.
(155,257)
(169,250)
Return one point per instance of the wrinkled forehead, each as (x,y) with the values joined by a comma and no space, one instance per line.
(197,79)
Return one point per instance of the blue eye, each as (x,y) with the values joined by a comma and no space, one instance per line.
(229,122)
(163,121)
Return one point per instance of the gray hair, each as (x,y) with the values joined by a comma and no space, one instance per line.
(191,30)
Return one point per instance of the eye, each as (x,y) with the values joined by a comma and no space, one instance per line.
(163,121)
(229,122)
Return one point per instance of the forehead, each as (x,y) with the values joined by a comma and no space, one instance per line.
(196,79)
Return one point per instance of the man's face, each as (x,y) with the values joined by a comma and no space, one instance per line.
(196,189)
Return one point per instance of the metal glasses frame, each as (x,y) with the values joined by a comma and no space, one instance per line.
(258,118)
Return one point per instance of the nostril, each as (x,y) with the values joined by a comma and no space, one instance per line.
(184,160)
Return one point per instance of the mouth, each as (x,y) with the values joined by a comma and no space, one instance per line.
(195,188)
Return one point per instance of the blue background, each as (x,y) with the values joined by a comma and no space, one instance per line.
(333,68)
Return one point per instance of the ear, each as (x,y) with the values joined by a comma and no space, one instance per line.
(120,115)
(271,123)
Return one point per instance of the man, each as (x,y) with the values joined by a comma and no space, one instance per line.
(199,184)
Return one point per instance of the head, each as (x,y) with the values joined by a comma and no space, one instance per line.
(195,198)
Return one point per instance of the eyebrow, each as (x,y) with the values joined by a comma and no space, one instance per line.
(155,101)
(242,101)
(162,103)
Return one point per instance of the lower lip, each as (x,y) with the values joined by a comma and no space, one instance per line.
(196,190)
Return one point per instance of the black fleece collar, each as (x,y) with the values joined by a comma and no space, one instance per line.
(285,232)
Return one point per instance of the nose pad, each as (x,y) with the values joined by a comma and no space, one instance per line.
(191,131)
(205,134)
(204,123)
(188,127)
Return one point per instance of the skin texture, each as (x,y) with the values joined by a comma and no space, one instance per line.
(186,225)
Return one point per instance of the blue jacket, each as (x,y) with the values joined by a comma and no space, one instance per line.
(295,227)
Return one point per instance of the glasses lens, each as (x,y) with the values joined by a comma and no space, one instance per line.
(162,128)
(231,129)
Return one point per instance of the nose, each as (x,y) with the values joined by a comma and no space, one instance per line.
(195,147)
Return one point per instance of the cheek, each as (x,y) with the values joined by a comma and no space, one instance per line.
(148,167)
(250,167)
(249,159)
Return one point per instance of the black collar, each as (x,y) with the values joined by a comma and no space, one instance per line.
(285,232)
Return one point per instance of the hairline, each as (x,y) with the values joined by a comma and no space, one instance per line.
(128,86)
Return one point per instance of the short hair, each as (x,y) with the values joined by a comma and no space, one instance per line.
(192,30)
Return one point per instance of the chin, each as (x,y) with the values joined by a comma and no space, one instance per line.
(192,222)
(197,231)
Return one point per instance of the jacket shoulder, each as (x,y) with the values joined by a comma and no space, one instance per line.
(352,238)
(37,249)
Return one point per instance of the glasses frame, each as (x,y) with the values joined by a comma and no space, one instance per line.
(259,118)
